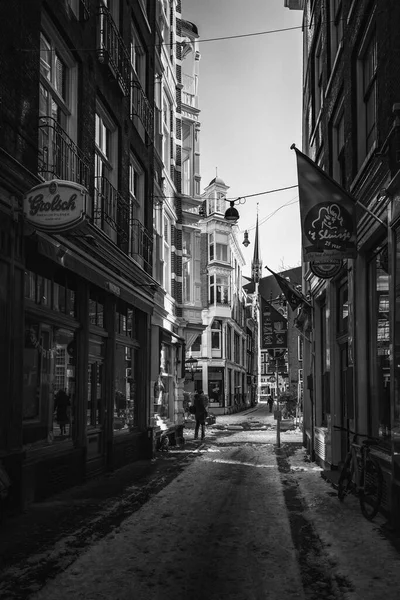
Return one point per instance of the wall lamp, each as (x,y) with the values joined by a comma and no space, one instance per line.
(232,215)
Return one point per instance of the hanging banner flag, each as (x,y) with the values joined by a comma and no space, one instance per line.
(327,212)
(293,296)
(273,327)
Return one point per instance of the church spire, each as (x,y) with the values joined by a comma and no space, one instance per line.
(256,263)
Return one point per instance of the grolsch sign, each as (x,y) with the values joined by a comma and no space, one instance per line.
(56,206)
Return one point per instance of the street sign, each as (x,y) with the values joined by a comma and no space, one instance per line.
(274,327)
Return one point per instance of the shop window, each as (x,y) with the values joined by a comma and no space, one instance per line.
(343,308)
(58,294)
(48,383)
(125,320)
(229,342)
(216,338)
(96,308)
(396,361)
(379,348)
(125,403)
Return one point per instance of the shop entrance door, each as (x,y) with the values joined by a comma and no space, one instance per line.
(96,413)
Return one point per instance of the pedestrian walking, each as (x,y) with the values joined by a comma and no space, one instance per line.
(62,406)
(270,403)
(200,414)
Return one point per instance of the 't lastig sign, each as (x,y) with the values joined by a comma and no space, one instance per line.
(56,206)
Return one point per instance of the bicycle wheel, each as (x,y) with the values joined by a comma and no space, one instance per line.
(345,479)
(371,495)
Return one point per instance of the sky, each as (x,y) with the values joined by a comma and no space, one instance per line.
(250,97)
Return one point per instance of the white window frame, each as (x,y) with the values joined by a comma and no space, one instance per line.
(167,253)
(166,125)
(136,189)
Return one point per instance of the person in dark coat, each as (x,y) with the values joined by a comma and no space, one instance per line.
(270,403)
(62,406)
(200,414)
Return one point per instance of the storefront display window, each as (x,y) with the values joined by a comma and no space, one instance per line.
(380,343)
(125,401)
(96,400)
(49,382)
(215,390)
(96,308)
(396,411)
(57,293)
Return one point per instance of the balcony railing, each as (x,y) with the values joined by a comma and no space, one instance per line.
(140,106)
(59,156)
(112,50)
(141,244)
(112,212)
(110,209)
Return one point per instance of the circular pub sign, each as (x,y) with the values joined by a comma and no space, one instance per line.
(55,206)
(326,270)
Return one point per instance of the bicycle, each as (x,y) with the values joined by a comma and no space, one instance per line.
(362,475)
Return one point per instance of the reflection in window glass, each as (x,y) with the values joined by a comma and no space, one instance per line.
(125,406)
(49,382)
(380,351)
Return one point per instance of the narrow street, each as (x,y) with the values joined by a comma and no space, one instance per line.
(239,520)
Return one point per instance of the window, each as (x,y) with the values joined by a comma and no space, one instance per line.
(96,308)
(138,58)
(228,342)
(49,383)
(125,416)
(158,258)
(58,293)
(167,134)
(106,196)
(318,71)
(219,289)
(187,266)
(236,348)
(167,254)
(379,347)
(219,249)
(343,308)
(396,344)
(125,320)
(187,157)
(217,203)
(136,207)
(338,157)
(57,106)
(366,96)
(216,338)
(336,28)
(196,346)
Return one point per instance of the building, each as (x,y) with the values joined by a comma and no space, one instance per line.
(281,371)
(76,185)
(224,341)
(351,124)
